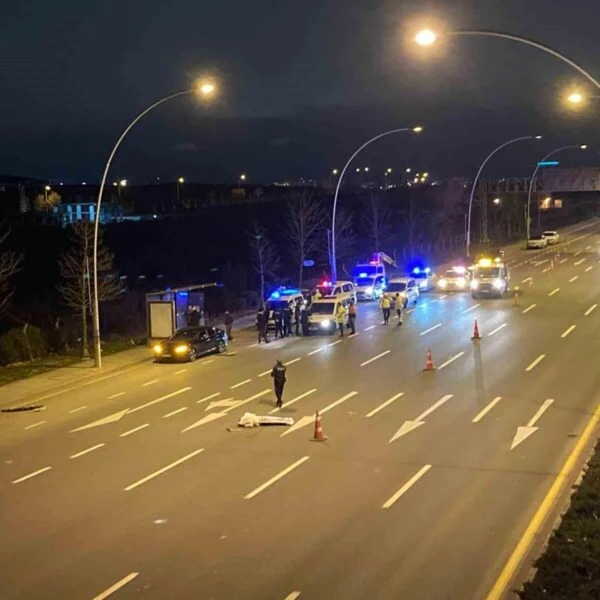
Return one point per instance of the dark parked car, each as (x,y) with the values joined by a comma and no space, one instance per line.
(190,343)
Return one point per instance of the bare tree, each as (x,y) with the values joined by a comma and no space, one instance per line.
(10,263)
(378,221)
(304,221)
(75,267)
(47,201)
(345,237)
(265,256)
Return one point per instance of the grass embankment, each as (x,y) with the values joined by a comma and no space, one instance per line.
(50,362)
(570,566)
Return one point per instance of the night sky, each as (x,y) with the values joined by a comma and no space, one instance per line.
(302,84)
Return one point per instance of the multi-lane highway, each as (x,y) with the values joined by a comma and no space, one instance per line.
(431,485)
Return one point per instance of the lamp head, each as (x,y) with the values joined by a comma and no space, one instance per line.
(426,37)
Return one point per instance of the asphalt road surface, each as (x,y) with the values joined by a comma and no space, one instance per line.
(429,486)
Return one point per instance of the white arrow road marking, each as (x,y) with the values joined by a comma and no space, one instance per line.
(431,329)
(471,308)
(163,470)
(116,587)
(568,331)
(368,362)
(524,432)
(294,400)
(214,416)
(277,477)
(530,307)
(575,278)
(409,426)
(536,362)
(407,486)
(590,310)
(26,477)
(104,421)
(208,397)
(554,291)
(386,403)
(450,361)
(487,409)
(86,451)
(304,421)
(497,329)
(152,402)
(227,403)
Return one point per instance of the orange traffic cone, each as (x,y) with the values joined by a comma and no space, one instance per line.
(318,435)
(475,335)
(429,361)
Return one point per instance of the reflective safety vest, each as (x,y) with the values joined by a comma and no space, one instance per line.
(385,302)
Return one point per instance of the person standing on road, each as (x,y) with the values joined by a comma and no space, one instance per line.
(298,316)
(304,321)
(352,317)
(385,305)
(340,316)
(287,321)
(228,322)
(261,325)
(278,318)
(399,301)
(279,379)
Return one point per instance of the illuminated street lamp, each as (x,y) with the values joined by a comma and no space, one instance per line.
(332,258)
(476,180)
(532,181)
(334,172)
(497,201)
(243,177)
(180,182)
(204,89)
(47,189)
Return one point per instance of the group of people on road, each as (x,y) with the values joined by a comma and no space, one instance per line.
(284,320)
(385,303)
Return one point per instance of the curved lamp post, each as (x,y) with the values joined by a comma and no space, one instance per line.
(533,176)
(476,180)
(428,37)
(332,258)
(205,89)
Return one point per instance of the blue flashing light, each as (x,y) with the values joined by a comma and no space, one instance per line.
(275,296)
(290,291)
(363,275)
(182,294)
(416,270)
(427,270)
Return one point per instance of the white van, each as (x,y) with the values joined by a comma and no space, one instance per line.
(322,314)
(339,289)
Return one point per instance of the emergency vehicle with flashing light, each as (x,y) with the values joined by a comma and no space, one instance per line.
(280,299)
(490,278)
(339,289)
(455,279)
(370,279)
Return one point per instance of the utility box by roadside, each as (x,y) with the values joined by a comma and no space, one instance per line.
(172,309)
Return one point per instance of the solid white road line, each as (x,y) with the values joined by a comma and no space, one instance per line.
(134,430)
(471,308)
(277,477)
(531,307)
(116,587)
(77,409)
(581,260)
(206,398)
(87,451)
(175,412)
(292,596)
(589,268)
(389,503)
(116,396)
(386,403)
(163,470)
(180,372)
(369,328)
(35,425)
(450,360)
(151,382)
(317,350)
(26,477)
(430,329)
(367,362)
(536,362)
(568,331)
(294,400)
(172,395)
(240,384)
(590,310)
(554,291)
(497,329)
(575,278)
(487,409)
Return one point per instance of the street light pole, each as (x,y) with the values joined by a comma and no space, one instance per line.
(332,259)
(532,182)
(476,180)
(205,89)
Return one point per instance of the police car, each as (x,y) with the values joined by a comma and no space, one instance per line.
(408,289)
(455,279)
(280,299)
(424,277)
(339,289)
(322,314)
